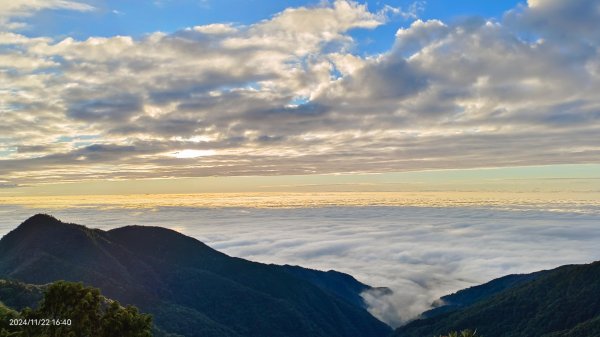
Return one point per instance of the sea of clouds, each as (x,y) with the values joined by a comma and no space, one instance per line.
(420,253)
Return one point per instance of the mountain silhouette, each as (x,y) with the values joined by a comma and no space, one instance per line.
(562,302)
(468,296)
(189,288)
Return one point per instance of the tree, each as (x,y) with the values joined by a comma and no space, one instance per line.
(464,333)
(6,315)
(73,310)
(125,322)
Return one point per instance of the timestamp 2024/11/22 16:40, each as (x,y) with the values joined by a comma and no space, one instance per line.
(39,322)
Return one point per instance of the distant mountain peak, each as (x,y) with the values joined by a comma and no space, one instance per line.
(147,230)
(42,219)
(44,226)
(190,288)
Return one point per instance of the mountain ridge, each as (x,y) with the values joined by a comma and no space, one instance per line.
(468,296)
(561,302)
(190,288)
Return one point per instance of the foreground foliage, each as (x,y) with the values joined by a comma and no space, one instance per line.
(464,333)
(73,310)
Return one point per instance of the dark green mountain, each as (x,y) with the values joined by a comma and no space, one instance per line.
(342,285)
(466,297)
(189,288)
(563,302)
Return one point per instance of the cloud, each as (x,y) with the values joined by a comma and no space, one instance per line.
(7,185)
(559,19)
(412,11)
(9,10)
(421,253)
(289,95)
(116,108)
(420,34)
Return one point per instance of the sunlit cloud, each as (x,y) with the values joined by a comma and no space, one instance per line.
(291,95)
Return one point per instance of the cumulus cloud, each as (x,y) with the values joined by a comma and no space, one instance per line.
(559,19)
(288,95)
(421,253)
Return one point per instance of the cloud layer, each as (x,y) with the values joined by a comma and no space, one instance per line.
(419,252)
(290,95)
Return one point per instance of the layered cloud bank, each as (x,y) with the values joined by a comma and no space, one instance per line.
(290,95)
(419,252)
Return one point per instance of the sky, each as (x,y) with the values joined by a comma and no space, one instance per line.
(178,96)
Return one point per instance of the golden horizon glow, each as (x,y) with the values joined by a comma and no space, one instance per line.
(552,179)
(561,202)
